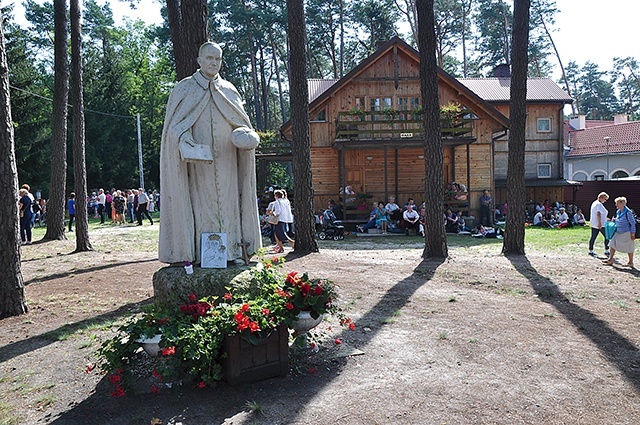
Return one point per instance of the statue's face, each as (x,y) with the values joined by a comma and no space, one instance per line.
(210,61)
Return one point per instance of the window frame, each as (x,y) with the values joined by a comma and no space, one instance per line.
(540,120)
(541,175)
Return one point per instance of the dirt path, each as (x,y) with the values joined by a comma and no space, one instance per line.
(477,339)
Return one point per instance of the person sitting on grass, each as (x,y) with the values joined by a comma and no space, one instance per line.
(451,221)
(410,219)
(578,218)
(487,232)
(563,219)
(381,217)
(372,220)
(540,221)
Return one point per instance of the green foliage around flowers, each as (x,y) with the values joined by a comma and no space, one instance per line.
(192,336)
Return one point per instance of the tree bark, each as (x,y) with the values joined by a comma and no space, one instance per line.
(436,238)
(514,232)
(79,160)
(12,301)
(188,25)
(301,146)
(56,204)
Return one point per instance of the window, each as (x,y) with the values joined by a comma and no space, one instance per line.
(599,178)
(620,174)
(379,104)
(407,104)
(544,125)
(320,116)
(544,171)
(359,103)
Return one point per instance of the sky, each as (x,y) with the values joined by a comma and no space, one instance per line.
(585,30)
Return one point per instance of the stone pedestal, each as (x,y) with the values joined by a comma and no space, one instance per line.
(173,284)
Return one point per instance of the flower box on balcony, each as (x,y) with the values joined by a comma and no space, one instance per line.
(267,358)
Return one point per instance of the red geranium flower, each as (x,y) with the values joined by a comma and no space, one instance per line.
(168,351)
(157,375)
(228,296)
(115,378)
(352,326)
(245,307)
(305,288)
(318,290)
(337,341)
(192,297)
(201,384)
(289,306)
(155,389)
(265,311)
(293,278)
(118,392)
(254,327)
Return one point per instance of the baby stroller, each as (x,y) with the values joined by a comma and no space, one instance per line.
(332,228)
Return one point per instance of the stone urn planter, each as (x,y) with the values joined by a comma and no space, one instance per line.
(150,345)
(302,325)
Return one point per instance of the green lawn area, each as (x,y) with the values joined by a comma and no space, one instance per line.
(130,237)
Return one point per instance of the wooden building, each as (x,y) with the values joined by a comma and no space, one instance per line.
(366,132)
(544,134)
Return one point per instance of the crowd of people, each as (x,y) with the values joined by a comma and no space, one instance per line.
(118,206)
(552,215)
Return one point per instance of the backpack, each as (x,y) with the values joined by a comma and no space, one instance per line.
(637,219)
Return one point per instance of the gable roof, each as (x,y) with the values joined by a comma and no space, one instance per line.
(331,88)
(498,90)
(318,86)
(624,138)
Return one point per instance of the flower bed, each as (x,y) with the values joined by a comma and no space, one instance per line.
(196,336)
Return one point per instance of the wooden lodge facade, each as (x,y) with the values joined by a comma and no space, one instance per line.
(366,133)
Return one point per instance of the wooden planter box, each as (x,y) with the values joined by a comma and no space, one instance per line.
(246,362)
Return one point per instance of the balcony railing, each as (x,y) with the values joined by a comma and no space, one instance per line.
(393,125)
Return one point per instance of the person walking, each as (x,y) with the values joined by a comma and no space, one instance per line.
(143,207)
(597,219)
(282,210)
(624,238)
(71,208)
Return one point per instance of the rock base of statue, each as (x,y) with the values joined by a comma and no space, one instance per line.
(173,285)
(267,358)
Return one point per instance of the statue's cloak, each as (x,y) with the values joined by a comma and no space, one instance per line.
(206,197)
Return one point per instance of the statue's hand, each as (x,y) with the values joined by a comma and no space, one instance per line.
(188,139)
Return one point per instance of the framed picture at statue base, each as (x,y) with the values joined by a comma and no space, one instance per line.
(213,253)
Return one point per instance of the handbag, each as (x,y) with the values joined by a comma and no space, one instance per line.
(609,229)
(273,219)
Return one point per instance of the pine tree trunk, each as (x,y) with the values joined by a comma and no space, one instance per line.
(514,232)
(436,238)
(12,301)
(188,25)
(57,196)
(79,160)
(301,145)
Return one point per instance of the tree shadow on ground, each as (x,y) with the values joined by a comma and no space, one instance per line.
(295,391)
(621,352)
(78,272)
(36,342)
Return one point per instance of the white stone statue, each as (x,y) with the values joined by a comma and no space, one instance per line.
(210,188)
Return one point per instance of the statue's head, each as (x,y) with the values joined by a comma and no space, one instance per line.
(210,59)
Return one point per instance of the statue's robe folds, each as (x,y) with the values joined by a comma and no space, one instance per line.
(206,197)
